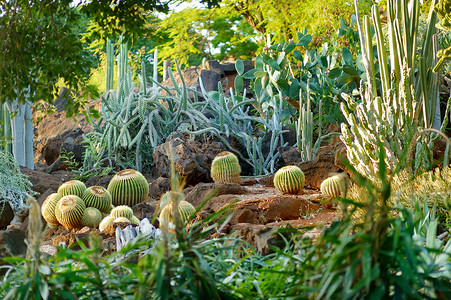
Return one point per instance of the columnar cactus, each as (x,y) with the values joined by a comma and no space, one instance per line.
(91,217)
(225,168)
(122,211)
(128,187)
(98,197)
(335,186)
(167,214)
(169,197)
(69,211)
(48,209)
(72,187)
(289,180)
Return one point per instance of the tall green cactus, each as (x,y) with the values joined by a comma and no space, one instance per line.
(408,94)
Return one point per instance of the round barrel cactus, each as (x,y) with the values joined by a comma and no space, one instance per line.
(335,186)
(105,222)
(166,217)
(69,211)
(169,197)
(72,187)
(225,168)
(98,197)
(91,217)
(121,219)
(48,209)
(122,211)
(134,220)
(289,180)
(128,187)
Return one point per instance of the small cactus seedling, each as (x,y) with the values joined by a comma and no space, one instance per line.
(225,168)
(105,222)
(186,209)
(91,217)
(128,187)
(48,209)
(98,197)
(335,186)
(169,197)
(69,211)
(289,180)
(72,187)
(122,211)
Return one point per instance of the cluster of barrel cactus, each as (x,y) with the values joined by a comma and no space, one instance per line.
(121,213)
(226,168)
(75,205)
(168,202)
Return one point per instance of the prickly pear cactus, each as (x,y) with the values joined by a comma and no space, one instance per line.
(335,186)
(225,168)
(48,209)
(72,187)
(128,187)
(98,197)
(91,217)
(69,211)
(289,180)
(122,211)
(186,209)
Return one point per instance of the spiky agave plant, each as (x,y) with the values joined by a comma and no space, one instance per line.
(289,180)
(98,197)
(69,211)
(225,168)
(128,187)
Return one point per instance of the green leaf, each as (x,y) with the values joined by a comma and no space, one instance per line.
(290,47)
(298,55)
(239,84)
(343,24)
(305,40)
(350,70)
(347,56)
(239,66)
(251,74)
(345,79)
(274,64)
(259,74)
(335,72)
(294,88)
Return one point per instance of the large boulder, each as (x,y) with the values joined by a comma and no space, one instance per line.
(192,159)
(6,215)
(12,242)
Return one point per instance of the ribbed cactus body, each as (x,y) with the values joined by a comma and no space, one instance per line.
(105,222)
(225,168)
(69,211)
(128,187)
(169,197)
(166,217)
(121,220)
(48,209)
(335,186)
(91,217)
(134,220)
(98,197)
(122,211)
(289,180)
(72,187)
